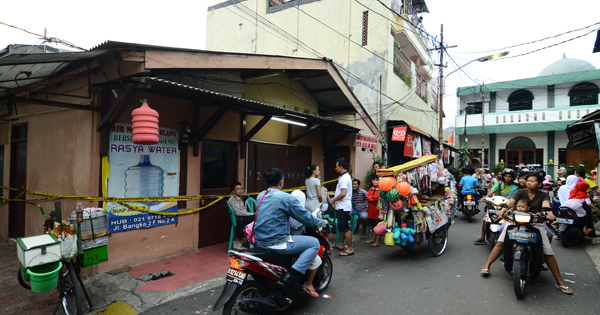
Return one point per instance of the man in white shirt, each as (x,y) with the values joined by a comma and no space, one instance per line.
(342,202)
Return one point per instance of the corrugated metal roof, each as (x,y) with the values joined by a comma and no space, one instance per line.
(531,82)
(25,69)
(272,109)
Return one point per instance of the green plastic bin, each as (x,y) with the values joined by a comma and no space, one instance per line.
(44,278)
(94,255)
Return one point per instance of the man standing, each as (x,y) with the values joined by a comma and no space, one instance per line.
(342,202)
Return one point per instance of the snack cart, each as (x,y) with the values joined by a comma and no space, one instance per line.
(416,205)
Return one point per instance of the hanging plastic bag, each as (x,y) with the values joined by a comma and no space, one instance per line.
(69,247)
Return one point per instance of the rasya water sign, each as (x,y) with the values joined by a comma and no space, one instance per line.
(142,171)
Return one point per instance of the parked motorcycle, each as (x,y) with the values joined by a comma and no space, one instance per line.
(523,249)
(265,293)
(493,221)
(568,227)
(469,207)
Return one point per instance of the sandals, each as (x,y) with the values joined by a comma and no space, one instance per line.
(556,237)
(370,242)
(338,248)
(363,236)
(345,253)
(375,245)
(485,272)
(310,292)
(565,289)
(479,242)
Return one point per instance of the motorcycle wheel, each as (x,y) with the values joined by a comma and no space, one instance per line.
(248,289)
(566,238)
(438,241)
(519,268)
(470,218)
(323,278)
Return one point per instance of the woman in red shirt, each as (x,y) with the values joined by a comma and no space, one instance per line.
(373,210)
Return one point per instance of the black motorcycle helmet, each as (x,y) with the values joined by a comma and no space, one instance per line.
(509,171)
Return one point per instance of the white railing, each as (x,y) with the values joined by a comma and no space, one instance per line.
(546,115)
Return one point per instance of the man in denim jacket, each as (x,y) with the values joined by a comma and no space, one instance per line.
(272,228)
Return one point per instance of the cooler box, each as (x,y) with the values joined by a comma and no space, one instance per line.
(38,250)
(97,219)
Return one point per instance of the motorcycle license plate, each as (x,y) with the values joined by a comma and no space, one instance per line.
(469,203)
(563,220)
(236,276)
(523,237)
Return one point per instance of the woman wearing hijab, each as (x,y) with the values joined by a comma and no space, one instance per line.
(564,191)
(577,198)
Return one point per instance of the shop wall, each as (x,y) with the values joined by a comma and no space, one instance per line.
(364,159)
(276,91)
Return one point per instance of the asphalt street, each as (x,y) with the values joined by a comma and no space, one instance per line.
(381,281)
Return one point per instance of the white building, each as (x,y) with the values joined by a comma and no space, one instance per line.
(525,119)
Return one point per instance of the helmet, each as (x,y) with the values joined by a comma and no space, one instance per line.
(509,171)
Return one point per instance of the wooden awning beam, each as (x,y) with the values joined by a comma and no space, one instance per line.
(303,133)
(211,123)
(119,105)
(52,103)
(256,128)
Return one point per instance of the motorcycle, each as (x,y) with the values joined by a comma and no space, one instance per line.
(568,227)
(523,249)
(494,222)
(469,207)
(265,293)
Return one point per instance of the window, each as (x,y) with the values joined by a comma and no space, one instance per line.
(520,100)
(520,143)
(473,108)
(365,30)
(218,166)
(583,94)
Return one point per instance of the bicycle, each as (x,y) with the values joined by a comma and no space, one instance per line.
(69,285)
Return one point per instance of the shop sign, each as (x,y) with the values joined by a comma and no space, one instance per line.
(446,155)
(142,171)
(426,147)
(399,133)
(412,145)
(367,142)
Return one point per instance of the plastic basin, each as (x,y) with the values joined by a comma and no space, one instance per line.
(44,278)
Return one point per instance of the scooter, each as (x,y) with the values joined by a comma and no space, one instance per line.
(569,227)
(265,293)
(493,221)
(469,207)
(523,249)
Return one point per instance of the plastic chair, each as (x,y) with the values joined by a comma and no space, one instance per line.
(252,206)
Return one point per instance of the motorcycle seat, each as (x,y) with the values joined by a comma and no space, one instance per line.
(271,256)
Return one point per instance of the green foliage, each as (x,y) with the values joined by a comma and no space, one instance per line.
(588,166)
(497,168)
(404,77)
(382,163)
(463,155)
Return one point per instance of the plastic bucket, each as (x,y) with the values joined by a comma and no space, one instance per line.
(44,278)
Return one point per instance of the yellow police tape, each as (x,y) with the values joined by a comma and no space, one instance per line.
(124,201)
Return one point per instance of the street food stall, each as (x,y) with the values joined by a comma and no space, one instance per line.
(416,200)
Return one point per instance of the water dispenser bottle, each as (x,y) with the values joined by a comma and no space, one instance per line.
(144,180)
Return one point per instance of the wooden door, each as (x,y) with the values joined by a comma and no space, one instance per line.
(18,176)
(290,159)
(218,172)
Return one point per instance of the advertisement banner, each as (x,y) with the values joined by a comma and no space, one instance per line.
(412,145)
(142,171)
(399,133)
(426,147)
(446,155)
(366,141)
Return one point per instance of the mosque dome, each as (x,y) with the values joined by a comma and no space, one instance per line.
(566,65)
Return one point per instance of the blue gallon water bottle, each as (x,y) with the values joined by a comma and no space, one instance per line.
(144,180)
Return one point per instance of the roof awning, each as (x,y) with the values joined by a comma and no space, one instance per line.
(582,131)
(251,107)
(414,129)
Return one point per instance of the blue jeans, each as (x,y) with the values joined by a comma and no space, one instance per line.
(307,246)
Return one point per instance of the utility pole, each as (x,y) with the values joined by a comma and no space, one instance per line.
(483,125)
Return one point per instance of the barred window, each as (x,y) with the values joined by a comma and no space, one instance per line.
(365,31)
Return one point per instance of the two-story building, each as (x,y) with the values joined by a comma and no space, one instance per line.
(525,119)
(381,48)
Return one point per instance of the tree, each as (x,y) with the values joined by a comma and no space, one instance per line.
(463,155)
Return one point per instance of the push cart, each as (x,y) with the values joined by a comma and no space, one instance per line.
(413,198)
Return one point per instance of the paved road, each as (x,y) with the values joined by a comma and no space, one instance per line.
(381,281)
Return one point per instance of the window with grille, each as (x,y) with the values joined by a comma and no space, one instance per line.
(365,32)
(520,100)
(583,94)
(473,108)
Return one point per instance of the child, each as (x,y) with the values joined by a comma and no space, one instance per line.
(577,198)
(522,205)
(373,210)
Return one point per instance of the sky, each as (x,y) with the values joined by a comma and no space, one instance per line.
(478,28)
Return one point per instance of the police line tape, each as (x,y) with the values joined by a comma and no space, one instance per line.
(125,201)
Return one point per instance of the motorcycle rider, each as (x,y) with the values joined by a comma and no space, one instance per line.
(537,201)
(504,189)
(272,228)
(468,186)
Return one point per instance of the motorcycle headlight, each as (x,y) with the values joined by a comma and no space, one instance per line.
(523,218)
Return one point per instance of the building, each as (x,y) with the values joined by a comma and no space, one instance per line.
(224,117)
(525,119)
(379,46)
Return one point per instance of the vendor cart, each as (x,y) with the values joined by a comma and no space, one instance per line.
(416,205)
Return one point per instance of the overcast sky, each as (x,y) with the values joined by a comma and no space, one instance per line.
(475,26)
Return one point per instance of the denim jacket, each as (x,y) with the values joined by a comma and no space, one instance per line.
(272,226)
